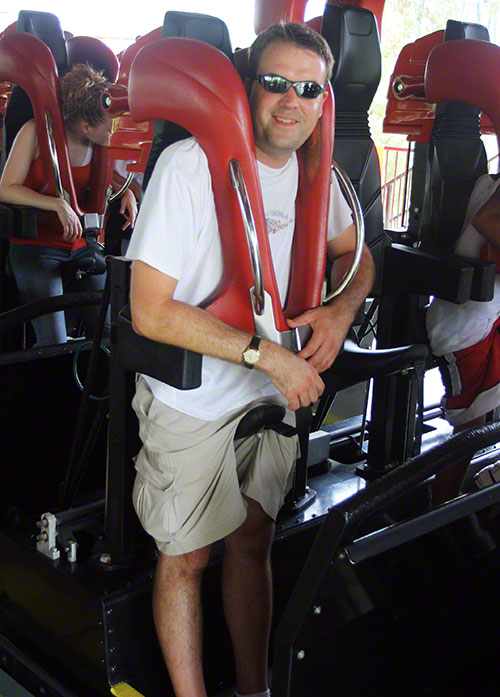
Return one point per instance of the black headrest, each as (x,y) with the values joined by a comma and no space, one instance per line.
(46,27)
(465,30)
(352,35)
(188,25)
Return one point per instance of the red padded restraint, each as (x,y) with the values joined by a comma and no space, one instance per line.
(195,85)
(129,140)
(466,70)
(27,61)
(408,111)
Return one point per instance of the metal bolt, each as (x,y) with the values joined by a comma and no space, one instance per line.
(301,654)
(317,609)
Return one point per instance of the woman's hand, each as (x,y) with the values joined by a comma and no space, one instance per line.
(128,208)
(72,228)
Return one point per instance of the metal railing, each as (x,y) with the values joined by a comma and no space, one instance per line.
(396,183)
(396,173)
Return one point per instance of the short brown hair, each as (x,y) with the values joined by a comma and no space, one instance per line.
(81,91)
(292,33)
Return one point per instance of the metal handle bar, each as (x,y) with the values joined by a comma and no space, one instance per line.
(353,201)
(238,183)
(125,186)
(49,127)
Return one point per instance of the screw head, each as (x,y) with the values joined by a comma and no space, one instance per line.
(301,654)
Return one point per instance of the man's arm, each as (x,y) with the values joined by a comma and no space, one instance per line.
(487,219)
(158,316)
(330,323)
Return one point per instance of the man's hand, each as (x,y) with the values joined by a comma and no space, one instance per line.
(296,379)
(327,337)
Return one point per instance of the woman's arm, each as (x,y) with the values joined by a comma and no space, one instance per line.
(12,190)
(128,200)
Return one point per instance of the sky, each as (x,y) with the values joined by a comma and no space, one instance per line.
(119,24)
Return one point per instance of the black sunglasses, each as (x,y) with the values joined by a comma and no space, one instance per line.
(307,89)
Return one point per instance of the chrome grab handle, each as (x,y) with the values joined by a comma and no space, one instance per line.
(353,201)
(49,127)
(125,186)
(238,183)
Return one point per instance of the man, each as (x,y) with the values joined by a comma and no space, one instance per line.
(467,342)
(195,485)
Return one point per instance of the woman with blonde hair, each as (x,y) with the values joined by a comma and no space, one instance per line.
(41,265)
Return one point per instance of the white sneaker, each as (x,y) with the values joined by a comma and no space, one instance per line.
(488,475)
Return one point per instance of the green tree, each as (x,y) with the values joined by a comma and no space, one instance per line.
(404,21)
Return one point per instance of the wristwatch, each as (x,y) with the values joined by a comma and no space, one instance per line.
(251,354)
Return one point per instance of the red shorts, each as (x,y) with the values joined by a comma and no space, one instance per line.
(471,378)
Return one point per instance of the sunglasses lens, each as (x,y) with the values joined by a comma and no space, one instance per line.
(275,83)
(309,90)
(279,85)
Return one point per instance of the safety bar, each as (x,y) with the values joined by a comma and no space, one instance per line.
(238,183)
(359,223)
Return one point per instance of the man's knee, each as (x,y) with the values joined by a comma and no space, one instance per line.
(191,564)
(254,536)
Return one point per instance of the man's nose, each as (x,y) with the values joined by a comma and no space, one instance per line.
(290,97)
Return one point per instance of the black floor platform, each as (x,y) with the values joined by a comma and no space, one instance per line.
(415,619)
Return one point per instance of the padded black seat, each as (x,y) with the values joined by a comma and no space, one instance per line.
(352,35)
(455,159)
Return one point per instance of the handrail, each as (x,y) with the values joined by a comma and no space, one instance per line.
(360,230)
(238,183)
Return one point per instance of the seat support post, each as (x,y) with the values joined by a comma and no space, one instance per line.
(122,527)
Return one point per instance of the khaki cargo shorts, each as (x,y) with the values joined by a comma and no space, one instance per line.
(191,473)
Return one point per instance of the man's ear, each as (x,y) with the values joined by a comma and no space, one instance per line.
(247,82)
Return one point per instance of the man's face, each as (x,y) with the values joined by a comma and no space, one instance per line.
(283,122)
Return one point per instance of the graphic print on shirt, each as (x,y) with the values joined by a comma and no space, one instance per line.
(278,221)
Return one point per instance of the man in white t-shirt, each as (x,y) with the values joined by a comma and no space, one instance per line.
(194,483)
(466,340)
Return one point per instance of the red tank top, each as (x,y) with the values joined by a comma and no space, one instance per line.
(49,228)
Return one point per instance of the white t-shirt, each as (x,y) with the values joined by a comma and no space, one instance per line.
(453,327)
(177,233)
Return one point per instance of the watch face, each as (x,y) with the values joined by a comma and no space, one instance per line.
(252,356)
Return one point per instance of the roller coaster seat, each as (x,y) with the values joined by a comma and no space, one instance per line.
(37,95)
(66,52)
(185,73)
(456,157)
(131,141)
(162,54)
(352,35)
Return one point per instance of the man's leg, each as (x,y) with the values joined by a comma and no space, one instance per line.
(247,597)
(178,619)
